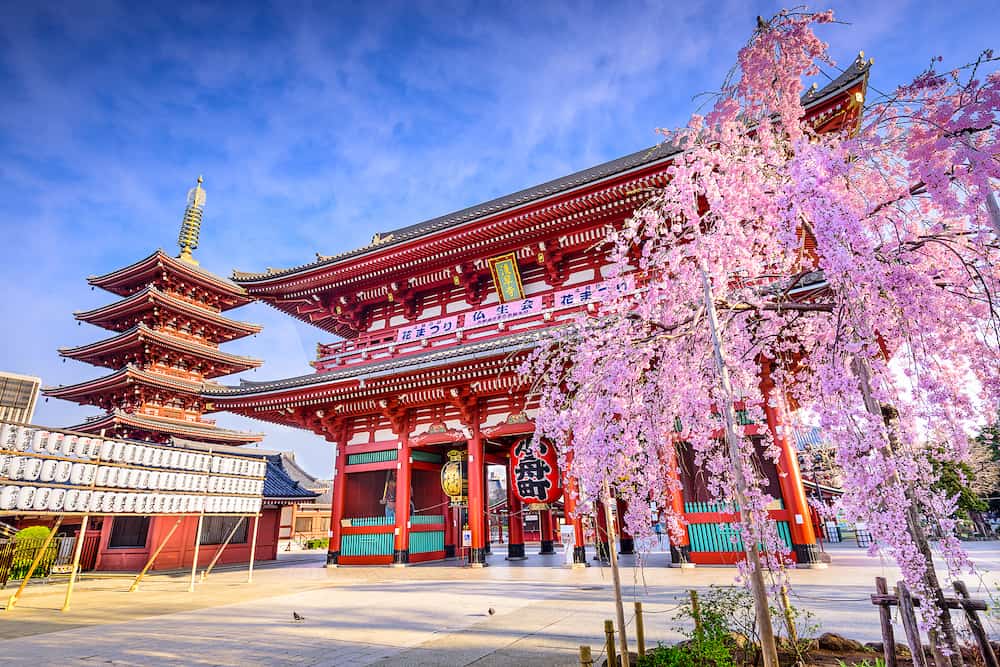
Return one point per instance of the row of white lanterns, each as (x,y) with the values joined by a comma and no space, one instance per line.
(46,499)
(24,439)
(31,469)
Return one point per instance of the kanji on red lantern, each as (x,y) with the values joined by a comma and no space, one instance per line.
(535,472)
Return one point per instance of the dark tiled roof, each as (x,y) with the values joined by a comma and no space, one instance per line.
(857,70)
(278,485)
(510,343)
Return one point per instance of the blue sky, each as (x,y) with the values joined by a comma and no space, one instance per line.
(316,125)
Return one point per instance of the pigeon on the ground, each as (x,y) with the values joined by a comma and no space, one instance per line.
(492,611)
(297,617)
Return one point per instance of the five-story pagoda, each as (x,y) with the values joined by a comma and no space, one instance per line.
(167,327)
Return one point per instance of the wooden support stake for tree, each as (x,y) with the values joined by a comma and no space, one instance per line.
(586,658)
(640,629)
(34,564)
(152,559)
(77,550)
(786,606)
(222,547)
(885,619)
(609,643)
(695,610)
(976,625)
(613,555)
(909,619)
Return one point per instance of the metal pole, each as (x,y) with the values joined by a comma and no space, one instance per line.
(76,561)
(197,548)
(222,548)
(613,554)
(253,548)
(34,564)
(152,559)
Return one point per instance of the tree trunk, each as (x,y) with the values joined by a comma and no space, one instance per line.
(769,649)
(930,580)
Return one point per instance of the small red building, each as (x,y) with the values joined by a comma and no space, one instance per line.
(435,319)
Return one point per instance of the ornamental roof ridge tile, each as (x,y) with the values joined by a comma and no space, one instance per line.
(857,70)
(510,342)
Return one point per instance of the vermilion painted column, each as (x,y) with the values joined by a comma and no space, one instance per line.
(337,511)
(789,474)
(545,532)
(515,525)
(627,544)
(477,497)
(401,542)
(449,525)
(603,551)
(571,507)
(680,548)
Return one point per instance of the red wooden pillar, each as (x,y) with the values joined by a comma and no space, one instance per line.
(515,525)
(401,541)
(571,507)
(789,474)
(477,497)
(450,533)
(680,547)
(337,511)
(601,534)
(626,543)
(545,532)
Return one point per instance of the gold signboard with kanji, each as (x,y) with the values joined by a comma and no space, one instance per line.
(507,278)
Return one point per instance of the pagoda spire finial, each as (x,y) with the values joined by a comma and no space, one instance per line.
(191,224)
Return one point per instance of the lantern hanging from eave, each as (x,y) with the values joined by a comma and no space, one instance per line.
(535,472)
(455,477)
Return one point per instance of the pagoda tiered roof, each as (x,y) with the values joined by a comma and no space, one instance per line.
(133,345)
(88,391)
(148,427)
(160,268)
(149,304)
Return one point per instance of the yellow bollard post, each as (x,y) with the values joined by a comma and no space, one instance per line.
(640,630)
(586,658)
(609,641)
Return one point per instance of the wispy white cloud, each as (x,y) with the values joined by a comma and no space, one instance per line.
(317,126)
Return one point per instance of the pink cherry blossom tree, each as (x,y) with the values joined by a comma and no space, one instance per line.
(859,266)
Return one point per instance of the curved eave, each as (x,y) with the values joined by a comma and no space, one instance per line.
(140,334)
(123,280)
(165,425)
(814,101)
(149,297)
(125,376)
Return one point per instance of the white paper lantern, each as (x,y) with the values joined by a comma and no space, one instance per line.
(56,500)
(32,469)
(38,441)
(118,451)
(67,446)
(108,502)
(16,467)
(89,473)
(7,432)
(41,501)
(25,497)
(82,446)
(6,464)
(142,481)
(130,502)
(48,472)
(118,503)
(83,501)
(113,474)
(94,448)
(71,500)
(107,450)
(147,455)
(8,497)
(63,471)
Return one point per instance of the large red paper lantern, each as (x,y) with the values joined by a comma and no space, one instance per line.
(536,472)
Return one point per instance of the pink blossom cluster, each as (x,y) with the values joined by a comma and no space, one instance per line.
(896,306)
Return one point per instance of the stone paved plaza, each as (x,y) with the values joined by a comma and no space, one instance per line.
(435,614)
